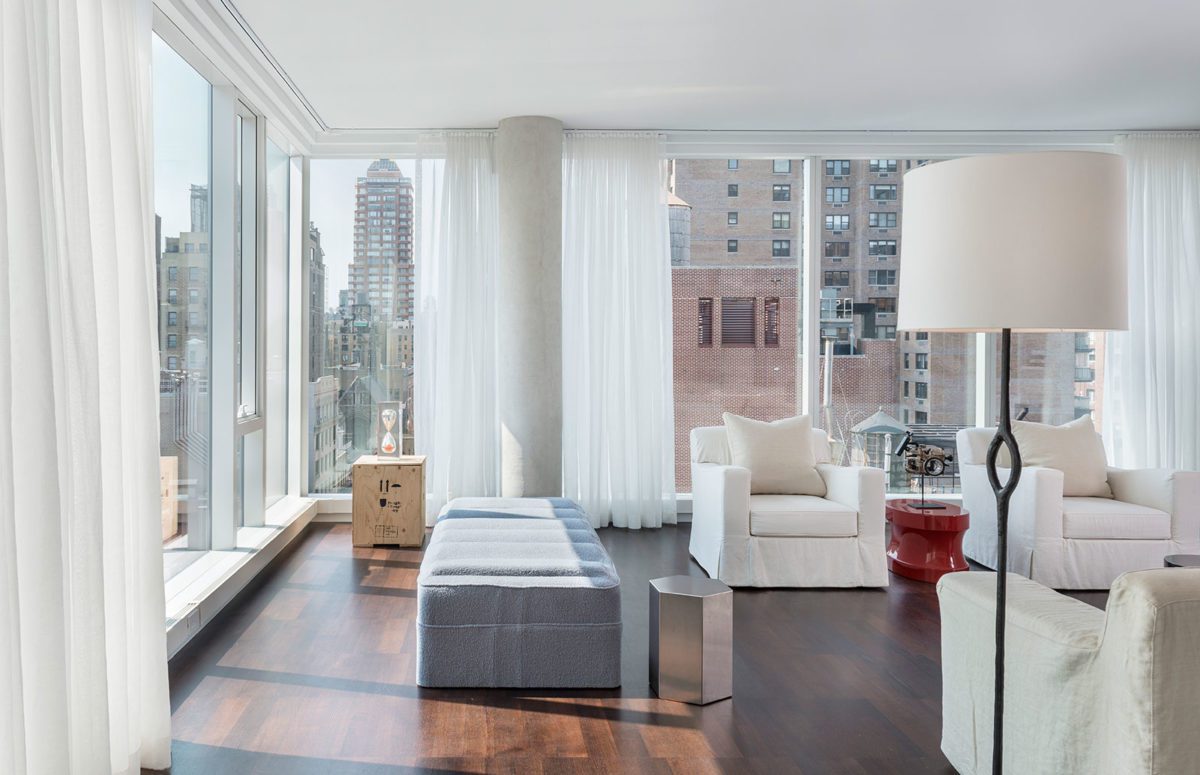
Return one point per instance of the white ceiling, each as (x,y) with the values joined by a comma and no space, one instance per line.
(724,64)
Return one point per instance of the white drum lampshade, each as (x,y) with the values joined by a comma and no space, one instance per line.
(1026,241)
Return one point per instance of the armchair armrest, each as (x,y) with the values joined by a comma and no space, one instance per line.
(1175,492)
(859,487)
(1032,611)
(1034,512)
(1035,509)
(720,499)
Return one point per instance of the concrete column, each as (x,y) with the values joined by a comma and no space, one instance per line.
(529,307)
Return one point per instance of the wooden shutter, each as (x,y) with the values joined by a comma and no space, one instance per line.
(737,321)
(704,324)
(771,321)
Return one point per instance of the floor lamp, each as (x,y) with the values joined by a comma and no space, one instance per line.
(1030,242)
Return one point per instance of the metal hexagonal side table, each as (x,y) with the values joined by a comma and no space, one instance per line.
(691,639)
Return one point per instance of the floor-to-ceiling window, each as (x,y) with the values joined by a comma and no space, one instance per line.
(223,194)
(276,321)
(360,311)
(183,239)
(877,383)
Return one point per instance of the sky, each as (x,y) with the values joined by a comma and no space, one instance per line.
(181,142)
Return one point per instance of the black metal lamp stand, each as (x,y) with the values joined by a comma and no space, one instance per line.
(1004,435)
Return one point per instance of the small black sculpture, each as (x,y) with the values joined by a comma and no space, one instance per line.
(923,460)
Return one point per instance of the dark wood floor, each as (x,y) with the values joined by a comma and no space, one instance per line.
(312,671)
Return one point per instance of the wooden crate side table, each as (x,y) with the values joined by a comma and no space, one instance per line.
(388,500)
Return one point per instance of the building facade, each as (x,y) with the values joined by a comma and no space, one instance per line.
(382,268)
(316,303)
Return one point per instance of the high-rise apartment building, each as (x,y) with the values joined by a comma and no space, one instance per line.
(382,268)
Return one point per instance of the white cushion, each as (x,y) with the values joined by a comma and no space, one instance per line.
(710,444)
(1074,448)
(779,455)
(1107,518)
(800,516)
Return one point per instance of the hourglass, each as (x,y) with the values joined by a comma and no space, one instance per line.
(387,442)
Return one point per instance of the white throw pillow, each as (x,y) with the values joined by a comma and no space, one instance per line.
(1074,448)
(779,454)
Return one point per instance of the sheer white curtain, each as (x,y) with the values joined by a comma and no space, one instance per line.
(1152,374)
(83,673)
(456,421)
(618,422)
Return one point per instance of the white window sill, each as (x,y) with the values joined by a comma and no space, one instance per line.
(198,593)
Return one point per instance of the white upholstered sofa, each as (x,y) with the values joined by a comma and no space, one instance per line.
(1086,691)
(1077,542)
(786,540)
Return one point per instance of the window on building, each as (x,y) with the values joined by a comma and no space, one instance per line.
(782,165)
(906,391)
(172,296)
(172,318)
(172,273)
(771,321)
(172,341)
(922,336)
(922,360)
(837,278)
(882,220)
(837,250)
(837,222)
(921,389)
(837,166)
(885,332)
(781,220)
(885,305)
(837,194)
(883,165)
(731,218)
(881,247)
(172,363)
(781,248)
(732,164)
(883,192)
(922,418)
(193,295)
(906,361)
(881,277)
(731,246)
(704,327)
(781,192)
(737,322)
(732,189)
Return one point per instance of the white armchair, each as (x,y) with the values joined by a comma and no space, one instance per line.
(1087,691)
(1079,543)
(786,540)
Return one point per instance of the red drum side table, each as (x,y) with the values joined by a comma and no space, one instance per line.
(926,543)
